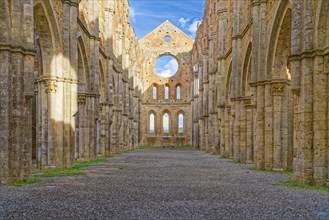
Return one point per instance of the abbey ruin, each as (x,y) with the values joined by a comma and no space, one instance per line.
(75,83)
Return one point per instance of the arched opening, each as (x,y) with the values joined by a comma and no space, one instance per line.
(166,92)
(166,123)
(152,123)
(178,92)
(154,92)
(44,118)
(181,123)
(280,139)
(82,125)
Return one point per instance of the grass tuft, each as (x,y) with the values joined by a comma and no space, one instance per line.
(146,147)
(75,170)
(286,172)
(27,182)
(293,183)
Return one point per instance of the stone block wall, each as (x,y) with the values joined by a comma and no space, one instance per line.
(68,83)
(269,88)
(153,46)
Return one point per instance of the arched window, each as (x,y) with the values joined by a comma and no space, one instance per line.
(152,122)
(178,92)
(180,123)
(154,92)
(166,123)
(166,95)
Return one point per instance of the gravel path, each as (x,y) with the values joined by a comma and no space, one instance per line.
(164,184)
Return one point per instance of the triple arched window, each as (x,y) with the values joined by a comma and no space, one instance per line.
(166,120)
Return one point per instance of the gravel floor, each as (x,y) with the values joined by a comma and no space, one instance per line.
(164,184)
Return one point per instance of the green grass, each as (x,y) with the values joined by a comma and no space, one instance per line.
(287,172)
(148,147)
(293,183)
(27,182)
(159,147)
(75,170)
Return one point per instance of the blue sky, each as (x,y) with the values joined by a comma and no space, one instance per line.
(146,15)
(166,66)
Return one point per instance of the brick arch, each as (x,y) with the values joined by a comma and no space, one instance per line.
(169,121)
(149,121)
(164,91)
(181,112)
(180,92)
(157,91)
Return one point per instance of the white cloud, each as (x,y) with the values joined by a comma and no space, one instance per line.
(132,14)
(192,28)
(166,122)
(183,21)
(169,69)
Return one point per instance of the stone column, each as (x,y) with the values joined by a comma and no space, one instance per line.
(277,93)
(258,72)
(51,88)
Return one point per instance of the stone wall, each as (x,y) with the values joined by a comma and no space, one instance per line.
(260,87)
(153,46)
(70,83)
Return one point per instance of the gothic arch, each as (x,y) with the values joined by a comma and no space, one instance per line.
(322,25)
(178,87)
(169,121)
(83,68)
(280,24)
(228,84)
(5,19)
(181,112)
(149,122)
(246,72)
(47,32)
(102,82)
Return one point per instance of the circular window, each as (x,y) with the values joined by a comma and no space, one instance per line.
(167,39)
(166,66)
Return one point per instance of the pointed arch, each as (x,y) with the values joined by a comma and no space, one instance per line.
(47,34)
(154,91)
(102,82)
(178,91)
(166,122)
(246,72)
(282,18)
(83,69)
(166,91)
(5,19)
(228,83)
(180,117)
(152,124)
(322,24)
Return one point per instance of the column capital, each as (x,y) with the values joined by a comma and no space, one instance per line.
(51,86)
(277,89)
